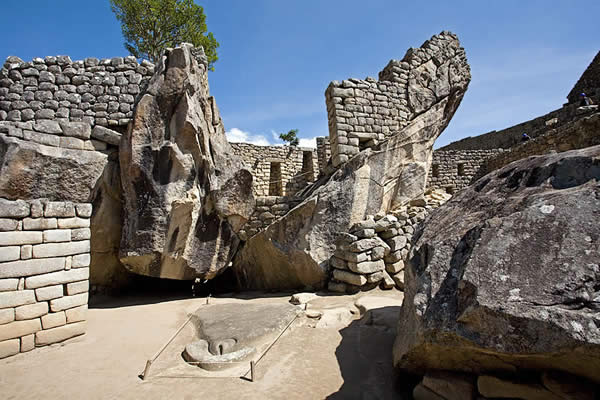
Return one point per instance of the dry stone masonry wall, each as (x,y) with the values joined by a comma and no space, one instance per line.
(267,210)
(99,92)
(588,83)
(44,271)
(278,170)
(363,113)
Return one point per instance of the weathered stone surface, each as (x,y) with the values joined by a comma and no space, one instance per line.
(57,236)
(54,319)
(55,278)
(302,298)
(61,249)
(31,311)
(60,334)
(9,348)
(13,209)
(76,314)
(106,135)
(19,328)
(349,277)
(196,193)
(477,299)
(39,224)
(493,387)
(8,284)
(19,238)
(78,287)
(67,302)
(568,386)
(10,253)
(27,343)
(233,332)
(30,170)
(59,209)
(367,267)
(73,223)
(7,315)
(15,299)
(49,292)
(450,386)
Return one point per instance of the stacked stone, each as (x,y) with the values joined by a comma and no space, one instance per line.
(99,92)
(44,272)
(376,249)
(323,153)
(258,160)
(453,170)
(65,134)
(268,209)
(588,83)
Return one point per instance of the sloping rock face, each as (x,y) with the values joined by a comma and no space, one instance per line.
(506,275)
(186,193)
(31,170)
(294,251)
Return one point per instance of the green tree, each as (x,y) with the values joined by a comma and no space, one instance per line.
(150,26)
(291,137)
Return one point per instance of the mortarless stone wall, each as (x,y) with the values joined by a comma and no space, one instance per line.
(588,83)
(44,271)
(99,92)
(268,209)
(297,167)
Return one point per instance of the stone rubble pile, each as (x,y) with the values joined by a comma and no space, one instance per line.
(44,272)
(373,253)
(95,91)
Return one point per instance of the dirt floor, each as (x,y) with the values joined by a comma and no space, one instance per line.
(341,356)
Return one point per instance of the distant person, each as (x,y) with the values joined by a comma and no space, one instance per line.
(584,100)
(525,138)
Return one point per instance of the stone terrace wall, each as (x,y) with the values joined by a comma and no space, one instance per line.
(589,83)
(362,113)
(294,172)
(99,92)
(510,137)
(44,271)
(268,209)
(455,169)
(575,135)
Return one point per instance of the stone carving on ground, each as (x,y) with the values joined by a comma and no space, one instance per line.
(294,251)
(505,276)
(186,193)
(232,333)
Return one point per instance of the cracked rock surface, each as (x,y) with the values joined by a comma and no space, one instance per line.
(506,275)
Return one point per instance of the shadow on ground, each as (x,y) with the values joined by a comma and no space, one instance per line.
(365,359)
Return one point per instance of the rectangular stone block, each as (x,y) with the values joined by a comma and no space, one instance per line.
(15,299)
(84,210)
(39,224)
(17,329)
(81,130)
(72,223)
(10,253)
(81,234)
(8,284)
(14,209)
(7,315)
(8,224)
(61,249)
(18,238)
(42,138)
(53,320)
(71,143)
(60,334)
(9,348)
(27,343)
(22,268)
(349,277)
(57,236)
(59,209)
(31,311)
(77,314)
(49,293)
(81,261)
(26,252)
(78,287)
(56,278)
(67,302)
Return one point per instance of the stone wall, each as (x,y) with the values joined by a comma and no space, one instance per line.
(323,153)
(588,83)
(362,113)
(99,92)
(453,170)
(268,209)
(575,135)
(44,271)
(278,170)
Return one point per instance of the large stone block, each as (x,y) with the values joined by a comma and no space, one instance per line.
(78,287)
(7,224)
(7,315)
(61,249)
(14,209)
(72,223)
(27,343)
(17,329)
(39,224)
(106,135)
(17,269)
(31,311)
(15,299)
(81,130)
(54,319)
(81,234)
(81,261)
(7,285)
(57,236)
(9,253)
(9,348)
(67,302)
(55,278)
(367,267)
(49,292)
(20,237)
(60,334)
(349,277)
(77,314)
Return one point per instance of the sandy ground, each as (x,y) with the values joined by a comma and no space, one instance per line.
(349,360)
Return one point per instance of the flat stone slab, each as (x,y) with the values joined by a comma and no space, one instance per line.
(229,333)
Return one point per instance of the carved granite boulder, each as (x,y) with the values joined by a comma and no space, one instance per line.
(294,251)
(506,275)
(177,172)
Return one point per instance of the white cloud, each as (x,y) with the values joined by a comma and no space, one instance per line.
(236,135)
(308,142)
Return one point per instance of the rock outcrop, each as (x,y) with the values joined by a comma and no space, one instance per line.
(505,276)
(186,194)
(294,251)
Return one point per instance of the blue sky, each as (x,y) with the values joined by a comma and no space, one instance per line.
(278,56)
